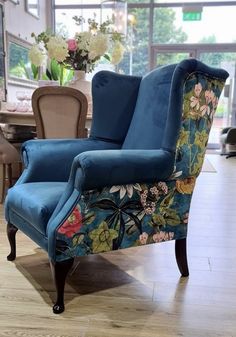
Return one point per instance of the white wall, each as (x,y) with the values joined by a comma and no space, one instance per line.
(21,24)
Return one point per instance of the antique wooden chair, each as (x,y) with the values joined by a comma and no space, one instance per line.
(60,112)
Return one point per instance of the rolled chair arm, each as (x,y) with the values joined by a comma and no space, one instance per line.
(106,168)
(51,159)
(141,166)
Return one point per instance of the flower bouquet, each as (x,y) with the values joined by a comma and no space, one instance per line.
(54,57)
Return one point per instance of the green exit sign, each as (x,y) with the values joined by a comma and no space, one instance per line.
(192,16)
(192,12)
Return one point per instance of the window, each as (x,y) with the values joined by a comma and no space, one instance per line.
(157,22)
(2,59)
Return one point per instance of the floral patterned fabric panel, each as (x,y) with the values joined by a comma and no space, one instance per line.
(201,96)
(126,216)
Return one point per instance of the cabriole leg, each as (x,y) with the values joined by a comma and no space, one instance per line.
(11,234)
(60,271)
(181,256)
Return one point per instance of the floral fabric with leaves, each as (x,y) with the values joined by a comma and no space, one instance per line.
(132,215)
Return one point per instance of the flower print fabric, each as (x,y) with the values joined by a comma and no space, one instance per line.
(138,214)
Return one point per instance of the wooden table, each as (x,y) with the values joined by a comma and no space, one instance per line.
(27,118)
(17,118)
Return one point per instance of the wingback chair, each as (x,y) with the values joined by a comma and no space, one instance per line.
(60,112)
(131,182)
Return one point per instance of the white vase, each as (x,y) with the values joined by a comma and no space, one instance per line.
(79,82)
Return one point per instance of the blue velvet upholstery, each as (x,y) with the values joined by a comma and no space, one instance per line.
(115,95)
(38,199)
(148,124)
(131,182)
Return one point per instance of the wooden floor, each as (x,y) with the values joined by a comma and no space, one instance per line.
(137,292)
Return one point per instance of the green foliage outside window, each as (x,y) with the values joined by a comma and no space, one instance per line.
(164,31)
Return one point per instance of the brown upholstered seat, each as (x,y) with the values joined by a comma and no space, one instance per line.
(60,112)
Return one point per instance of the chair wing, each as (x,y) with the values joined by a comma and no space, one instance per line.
(60,112)
(122,195)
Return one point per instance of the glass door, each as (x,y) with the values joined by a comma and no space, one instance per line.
(219,56)
(226,111)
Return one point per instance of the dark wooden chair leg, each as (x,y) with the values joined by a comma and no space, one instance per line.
(11,234)
(59,271)
(181,256)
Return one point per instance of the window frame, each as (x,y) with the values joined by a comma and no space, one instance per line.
(29,9)
(3,54)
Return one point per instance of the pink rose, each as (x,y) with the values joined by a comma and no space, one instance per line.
(72,225)
(72,46)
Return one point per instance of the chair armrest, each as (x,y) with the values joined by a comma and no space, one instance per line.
(51,159)
(231,136)
(225,130)
(98,169)
(119,167)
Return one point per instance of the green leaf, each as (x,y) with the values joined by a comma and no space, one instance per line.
(35,71)
(107,57)
(159,219)
(55,70)
(131,229)
(45,77)
(89,218)
(48,75)
(168,200)
(171,217)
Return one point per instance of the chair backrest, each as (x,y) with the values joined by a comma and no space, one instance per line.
(114,100)
(148,124)
(174,111)
(60,112)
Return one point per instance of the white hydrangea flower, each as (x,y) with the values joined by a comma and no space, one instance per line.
(83,39)
(57,48)
(117,53)
(37,54)
(98,45)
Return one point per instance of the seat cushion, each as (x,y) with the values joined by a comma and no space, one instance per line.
(35,202)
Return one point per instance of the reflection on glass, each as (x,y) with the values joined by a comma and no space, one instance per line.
(169,58)
(225,113)
(169,26)
(32,7)
(66,26)
(19,65)
(136,60)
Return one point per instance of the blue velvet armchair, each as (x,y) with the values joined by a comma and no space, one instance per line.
(131,182)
